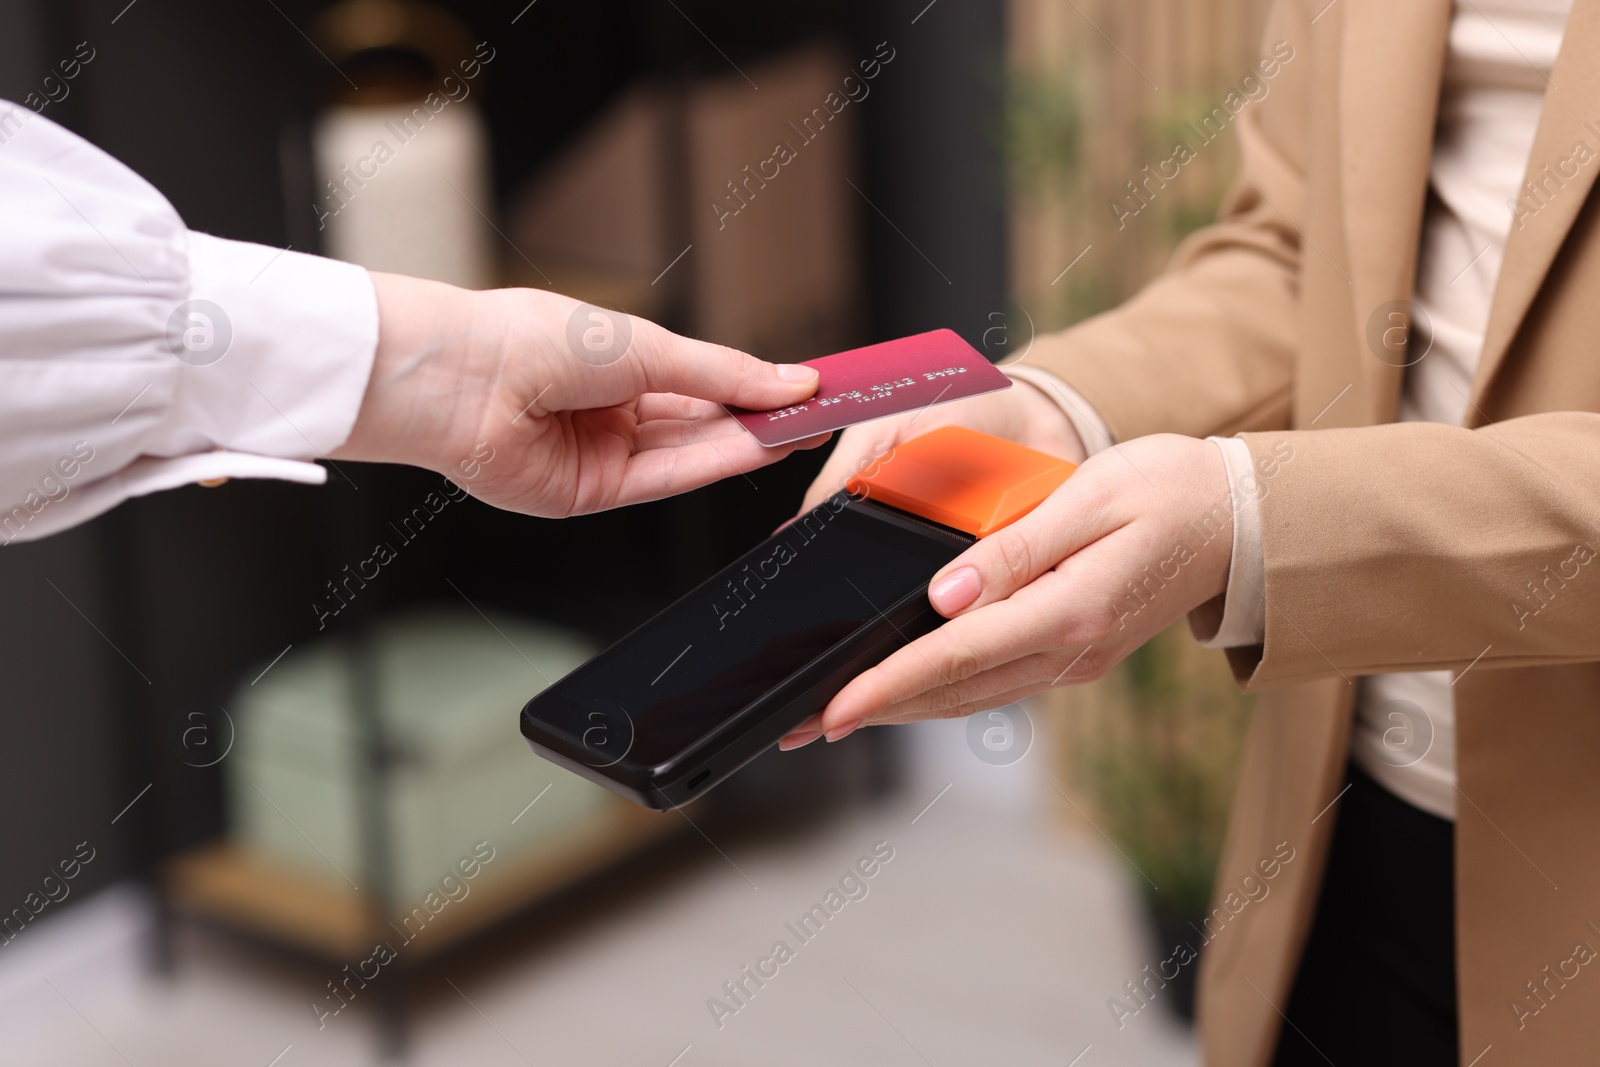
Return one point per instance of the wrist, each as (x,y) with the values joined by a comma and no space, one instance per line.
(423,401)
(1043,423)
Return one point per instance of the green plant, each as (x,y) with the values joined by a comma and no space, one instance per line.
(1043,128)
(1197,204)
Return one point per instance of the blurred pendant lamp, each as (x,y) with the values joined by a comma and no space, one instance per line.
(401,153)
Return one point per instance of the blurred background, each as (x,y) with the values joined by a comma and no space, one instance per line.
(263,761)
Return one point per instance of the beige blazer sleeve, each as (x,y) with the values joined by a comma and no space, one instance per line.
(1394,547)
(1420,546)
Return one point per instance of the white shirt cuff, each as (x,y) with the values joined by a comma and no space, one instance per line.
(1239,617)
(281,369)
(272,381)
(150,475)
(271,378)
(1091,428)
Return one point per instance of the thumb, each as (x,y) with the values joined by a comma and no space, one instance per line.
(1013,557)
(835,472)
(682,365)
(861,450)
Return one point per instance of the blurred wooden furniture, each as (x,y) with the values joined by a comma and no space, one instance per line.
(230,885)
(375,781)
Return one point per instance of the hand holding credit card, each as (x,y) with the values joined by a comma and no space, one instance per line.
(877,381)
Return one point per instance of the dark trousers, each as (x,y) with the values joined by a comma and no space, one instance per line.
(1377,984)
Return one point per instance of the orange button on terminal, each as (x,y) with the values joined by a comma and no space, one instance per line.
(967,480)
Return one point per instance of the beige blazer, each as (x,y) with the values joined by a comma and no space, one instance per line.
(1396,546)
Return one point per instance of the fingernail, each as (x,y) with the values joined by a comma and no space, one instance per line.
(794,372)
(839,733)
(955,590)
(799,739)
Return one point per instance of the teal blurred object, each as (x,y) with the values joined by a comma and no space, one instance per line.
(446,690)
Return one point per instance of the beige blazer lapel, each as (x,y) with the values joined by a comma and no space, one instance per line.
(1561,184)
(1391,66)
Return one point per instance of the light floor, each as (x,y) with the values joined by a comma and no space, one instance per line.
(992,936)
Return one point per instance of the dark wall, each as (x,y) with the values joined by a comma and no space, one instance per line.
(64,774)
(65,722)
(934,170)
(182,593)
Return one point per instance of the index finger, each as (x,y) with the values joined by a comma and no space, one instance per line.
(852,455)
(675,364)
(1076,515)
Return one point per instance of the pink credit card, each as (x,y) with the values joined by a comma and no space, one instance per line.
(876,381)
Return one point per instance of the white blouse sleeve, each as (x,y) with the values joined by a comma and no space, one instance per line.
(137,355)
